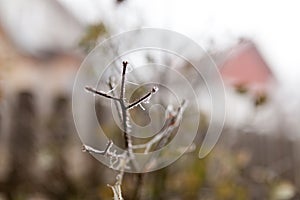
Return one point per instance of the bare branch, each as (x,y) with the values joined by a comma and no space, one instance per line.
(111,85)
(121,161)
(125,63)
(143,99)
(94,91)
(116,188)
(117,191)
(124,113)
(117,161)
(86,148)
(172,121)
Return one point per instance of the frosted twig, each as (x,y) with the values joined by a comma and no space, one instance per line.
(116,188)
(112,86)
(127,137)
(143,99)
(125,118)
(92,90)
(175,121)
(86,148)
(172,121)
(119,161)
(142,107)
(125,63)
(117,191)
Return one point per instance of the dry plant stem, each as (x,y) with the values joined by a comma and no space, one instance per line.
(175,119)
(120,161)
(161,140)
(127,137)
(116,188)
(125,118)
(143,99)
(111,85)
(172,121)
(92,90)
(139,101)
(106,151)
(117,161)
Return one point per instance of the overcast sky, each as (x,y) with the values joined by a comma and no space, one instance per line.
(273,25)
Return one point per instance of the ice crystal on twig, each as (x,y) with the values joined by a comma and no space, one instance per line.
(145,99)
(121,161)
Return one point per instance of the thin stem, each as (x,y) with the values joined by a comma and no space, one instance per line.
(111,85)
(125,63)
(92,90)
(157,137)
(143,99)
(120,161)
(172,122)
(125,127)
(125,117)
(123,107)
(89,149)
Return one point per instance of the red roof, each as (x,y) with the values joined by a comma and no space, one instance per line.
(246,67)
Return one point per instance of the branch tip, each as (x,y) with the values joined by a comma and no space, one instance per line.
(94,91)
(125,63)
(154,89)
(143,99)
(89,89)
(83,148)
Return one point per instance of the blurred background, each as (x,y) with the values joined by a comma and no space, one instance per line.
(254,44)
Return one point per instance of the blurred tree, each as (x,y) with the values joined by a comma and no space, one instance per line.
(93,33)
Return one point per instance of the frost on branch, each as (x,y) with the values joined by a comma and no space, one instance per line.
(145,99)
(173,118)
(117,161)
(122,161)
(116,188)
